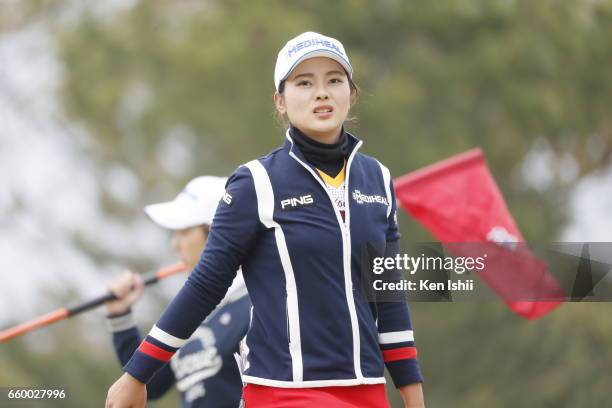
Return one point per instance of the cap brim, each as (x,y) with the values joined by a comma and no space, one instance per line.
(173,215)
(321,53)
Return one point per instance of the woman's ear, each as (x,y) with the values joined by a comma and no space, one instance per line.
(279,102)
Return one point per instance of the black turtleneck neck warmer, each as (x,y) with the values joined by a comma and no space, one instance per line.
(329,158)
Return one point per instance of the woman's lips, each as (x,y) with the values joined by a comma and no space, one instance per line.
(323,111)
(323,115)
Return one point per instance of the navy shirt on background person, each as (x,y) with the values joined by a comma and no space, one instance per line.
(204,370)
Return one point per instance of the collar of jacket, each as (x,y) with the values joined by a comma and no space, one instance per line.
(354,145)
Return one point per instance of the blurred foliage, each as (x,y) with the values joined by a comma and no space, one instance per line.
(60,357)
(437,78)
(16,13)
(481,355)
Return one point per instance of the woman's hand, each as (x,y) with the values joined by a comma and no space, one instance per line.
(126,392)
(128,289)
(412,395)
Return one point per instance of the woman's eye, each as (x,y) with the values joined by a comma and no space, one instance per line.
(336,81)
(303,83)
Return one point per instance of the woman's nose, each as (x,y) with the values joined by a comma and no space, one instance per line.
(322,93)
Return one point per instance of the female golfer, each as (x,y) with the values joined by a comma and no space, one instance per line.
(298,221)
(204,370)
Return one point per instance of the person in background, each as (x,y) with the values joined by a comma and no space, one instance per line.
(204,371)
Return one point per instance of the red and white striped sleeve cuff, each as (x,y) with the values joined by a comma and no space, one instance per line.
(160,345)
(156,349)
(397,345)
(400,356)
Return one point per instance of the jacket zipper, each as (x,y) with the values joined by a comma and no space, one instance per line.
(346,249)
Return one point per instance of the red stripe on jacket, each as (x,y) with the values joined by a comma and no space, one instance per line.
(154,351)
(401,353)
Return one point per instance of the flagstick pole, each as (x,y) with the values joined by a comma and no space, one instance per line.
(67,312)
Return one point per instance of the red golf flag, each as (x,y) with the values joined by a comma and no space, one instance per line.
(459,203)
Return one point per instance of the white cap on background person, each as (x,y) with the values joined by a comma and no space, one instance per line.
(195,205)
(305,46)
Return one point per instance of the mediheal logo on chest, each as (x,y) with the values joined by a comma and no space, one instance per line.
(368,199)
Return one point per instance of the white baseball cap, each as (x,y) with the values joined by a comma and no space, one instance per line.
(195,205)
(305,46)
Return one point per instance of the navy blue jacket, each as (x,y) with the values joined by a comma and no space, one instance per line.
(311,326)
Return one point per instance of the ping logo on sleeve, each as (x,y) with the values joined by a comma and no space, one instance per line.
(296,202)
(227,198)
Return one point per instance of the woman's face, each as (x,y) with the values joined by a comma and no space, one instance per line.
(189,243)
(316,98)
